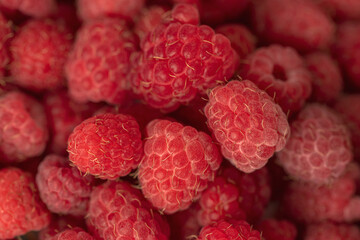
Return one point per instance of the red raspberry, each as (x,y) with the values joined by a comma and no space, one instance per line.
(5,36)
(62,188)
(23,131)
(273,229)
(124,9)
(119,211)
(20,205)
(319,147)
(107,146)
(39,52)
(341,9)
(327,80)
(281,72)
(73,234)
(297,23)
(247,123)
(229,230)
(332,231)
(99,61)
(179,161)
(349,108)
(33,8)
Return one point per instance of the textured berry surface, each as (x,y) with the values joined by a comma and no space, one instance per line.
(39,51)
(119,211)
(319,147)
(23,117)
(99,61)
(33,8)
(62,188)
(340,9)
(298,23)
(273,229)
(107,146)
(73,234)
(20,205)
(247,123)
(179,161)
(281,72)
(5,35)
(229,230)
(332,231)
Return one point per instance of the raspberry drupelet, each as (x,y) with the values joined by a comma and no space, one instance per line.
(72,234)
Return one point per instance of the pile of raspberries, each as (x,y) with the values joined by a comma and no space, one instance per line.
(180,119)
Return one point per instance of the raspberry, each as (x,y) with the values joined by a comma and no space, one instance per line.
(39,52)
(99,61)
(20,205)
(107,146)
(229,230)
(119,211)
(332,231)
(327,80)
(273,229)
(340,9)
(23,117)
(178,163)
(73,234)
(281,72)
(33,8)
(124,9)
(247,123)
(298,23)
(5,36)
(319,147)
(62,188)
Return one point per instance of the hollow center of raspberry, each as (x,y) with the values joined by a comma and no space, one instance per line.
(279,73)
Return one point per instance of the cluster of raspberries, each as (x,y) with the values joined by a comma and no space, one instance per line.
(180,119)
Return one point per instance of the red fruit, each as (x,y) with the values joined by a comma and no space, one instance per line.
(280,71)
(273,229)
(5,36)
(340,9)
(107,146)
(23,131)
(247,123)
(99,62)
(297,23)
(73,234)
(327,80)
(332,231)
(179,161)
(319,147)
(39,52)
(33,8)
(119,211)
(62,188)
(20,205)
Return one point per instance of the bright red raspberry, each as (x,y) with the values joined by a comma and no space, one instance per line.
(33,8)
(341,9)
(247,123)
(297,23)
(332,231)
(99,61)
(178,164)
(73,234)
(62,188)
(20,205)
(119,211)
(281,72)
(327,80)
(319,147)
(107,146)
(39,51)
(5,35)
(229,230)
(97,9)
(273,229)
(23,130)
(349,108)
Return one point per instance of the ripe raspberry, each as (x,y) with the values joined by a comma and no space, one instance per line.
(179,161)
(62,188)
(327,80)
(33,8)
(23,131)
(119,211)
(273,229)
(281,72)
(5,36)
(99,61)
(349,108)
(332,231)
(229,230)
(107,146)
(20,205)
(39,52)
(97,9)
(341,9)
(298,23)
(73,234)
(247,123)
(319,147)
